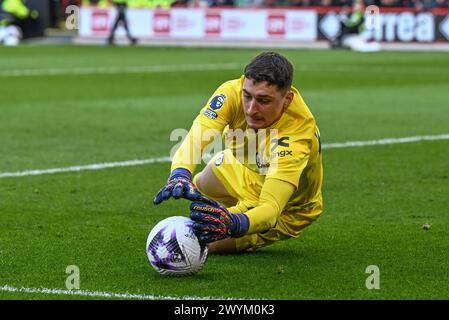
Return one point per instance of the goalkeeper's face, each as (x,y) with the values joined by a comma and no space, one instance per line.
(263,103)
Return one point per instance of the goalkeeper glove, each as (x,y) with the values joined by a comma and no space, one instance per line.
(179,185)
(212,221)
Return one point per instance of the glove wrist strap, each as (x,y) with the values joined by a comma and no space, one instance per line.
(240,224)
(181,172)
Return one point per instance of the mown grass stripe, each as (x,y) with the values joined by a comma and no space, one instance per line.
(131,163)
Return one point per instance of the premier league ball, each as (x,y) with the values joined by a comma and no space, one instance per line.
(174,249)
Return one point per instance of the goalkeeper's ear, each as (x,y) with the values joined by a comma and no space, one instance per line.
(288,99)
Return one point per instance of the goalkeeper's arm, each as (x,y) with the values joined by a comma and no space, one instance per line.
(273,199)
(214,222)
(189,154)
(185,160)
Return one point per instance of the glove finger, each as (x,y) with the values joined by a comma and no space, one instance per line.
(202,217)
(200,228)
(167,192)
(197,216)
(207,233)
(158,198)
(201,233)
(191,192)
(178,190)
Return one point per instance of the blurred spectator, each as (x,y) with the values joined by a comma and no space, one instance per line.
(179,3)
(390,3)
(352,25)
(351,31)
(98,3)
(428,4)
(252,3)
(343,3)
(425,5)
(159,4)
(326,3)
(221,3)
(197,4)
(301,3)
(441,4)
(268,3)
(280,3)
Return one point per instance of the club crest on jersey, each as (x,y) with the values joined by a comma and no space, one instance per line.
(258,160)
(219,159)
(217,101)
(263,166)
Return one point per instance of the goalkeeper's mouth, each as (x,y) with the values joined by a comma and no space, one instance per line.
(255,122)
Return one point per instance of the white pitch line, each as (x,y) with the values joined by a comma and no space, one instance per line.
(102,294)
(131,163)
(351,144)
(95,166)
(120,70)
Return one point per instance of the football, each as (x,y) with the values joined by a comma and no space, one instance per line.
(174,249)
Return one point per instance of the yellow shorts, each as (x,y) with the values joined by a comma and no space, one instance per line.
(245,185)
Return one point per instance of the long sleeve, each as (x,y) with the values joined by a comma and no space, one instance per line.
(189,154)
(273,198)
(208,126)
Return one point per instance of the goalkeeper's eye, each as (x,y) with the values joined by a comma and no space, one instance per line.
(264,101)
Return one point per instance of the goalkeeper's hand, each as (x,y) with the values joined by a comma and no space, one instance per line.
(179,185)
(213,222)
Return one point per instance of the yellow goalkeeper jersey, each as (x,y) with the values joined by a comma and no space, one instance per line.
(289,151)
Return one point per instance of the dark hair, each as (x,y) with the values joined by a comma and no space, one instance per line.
(271,67)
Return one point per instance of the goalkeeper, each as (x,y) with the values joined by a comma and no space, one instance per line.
(354,25)
(245,200)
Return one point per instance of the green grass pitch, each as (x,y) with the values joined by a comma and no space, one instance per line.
(65,106)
